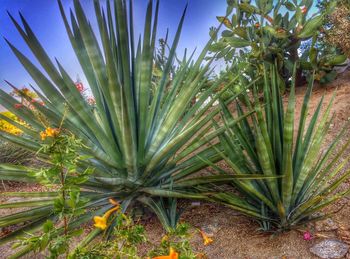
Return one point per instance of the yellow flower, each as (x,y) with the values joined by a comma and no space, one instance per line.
(42,135)
(172,255)
(101,222)
(206,240)
(49,132)
(113,202)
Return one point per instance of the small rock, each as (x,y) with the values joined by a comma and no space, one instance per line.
(210,229)
(195,203)
(330,249)
(317,214)
(326,225)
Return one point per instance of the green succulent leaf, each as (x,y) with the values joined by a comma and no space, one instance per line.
(336,60)
(311,27)
(238,42)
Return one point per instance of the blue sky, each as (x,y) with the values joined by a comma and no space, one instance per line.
(45,20)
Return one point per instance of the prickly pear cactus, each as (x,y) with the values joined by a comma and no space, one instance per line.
(322,61)
(270,32)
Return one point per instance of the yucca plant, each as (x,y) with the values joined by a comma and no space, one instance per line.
(141,144)
(265,143)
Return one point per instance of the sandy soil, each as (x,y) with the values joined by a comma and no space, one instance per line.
(237,236)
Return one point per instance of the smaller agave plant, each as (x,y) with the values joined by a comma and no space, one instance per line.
(307,176)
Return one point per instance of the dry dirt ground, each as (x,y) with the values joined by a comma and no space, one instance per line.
(237,236)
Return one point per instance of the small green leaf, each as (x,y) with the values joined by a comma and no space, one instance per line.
(227,33)
(48,226)
(248,8)
(225,21)
(335,60)
(238,42)
(311,27)
(290,6)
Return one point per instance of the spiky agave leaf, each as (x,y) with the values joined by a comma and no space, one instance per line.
(310,175)
(141,142)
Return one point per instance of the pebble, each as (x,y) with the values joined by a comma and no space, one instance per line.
(330,248)
(195,204)
(210,229)
(326,225)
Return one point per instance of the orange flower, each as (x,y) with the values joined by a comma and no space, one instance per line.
(172,255)
(206,240)
(49,132)
(257,25)
(18,105)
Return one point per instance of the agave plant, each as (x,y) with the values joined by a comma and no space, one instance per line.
(135,138)
(265,143)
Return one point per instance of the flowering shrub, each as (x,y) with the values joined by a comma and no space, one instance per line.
(8,127)
(62,176)
(83,91)
(26,98)
(127,235)
(124,239)
(176,244)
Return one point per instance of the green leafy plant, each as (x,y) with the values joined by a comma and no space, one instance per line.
(128,235)
(125,238)
(265,143)
(142,145)
(62,148)
(268,34)
(178,240)
(50,239)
